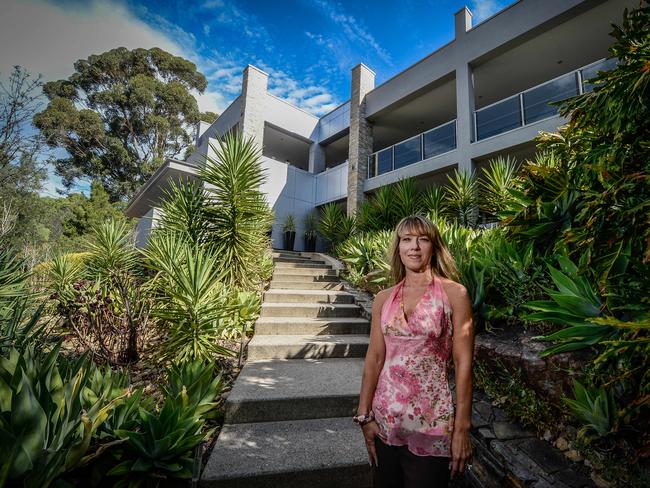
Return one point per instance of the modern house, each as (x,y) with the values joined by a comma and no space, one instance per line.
(484,94)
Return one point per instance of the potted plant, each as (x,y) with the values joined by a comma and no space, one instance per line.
(310,224)
(289,229)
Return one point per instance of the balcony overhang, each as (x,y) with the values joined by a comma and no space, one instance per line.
(150,195)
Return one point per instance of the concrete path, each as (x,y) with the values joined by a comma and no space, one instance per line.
(288,417)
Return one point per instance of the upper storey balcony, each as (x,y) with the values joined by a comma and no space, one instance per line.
(537,103)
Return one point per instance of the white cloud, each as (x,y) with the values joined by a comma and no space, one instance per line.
(482,9)
(353,29)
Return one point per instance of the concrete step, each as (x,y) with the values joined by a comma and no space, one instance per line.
(317,453)
(307,346)
(301,266)
(282,259)
(307,296)
(306,285)
(294,389)
(310,310)
(279,277)
(321,326)
(291,272)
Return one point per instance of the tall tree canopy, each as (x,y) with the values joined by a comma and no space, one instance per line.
(119,115)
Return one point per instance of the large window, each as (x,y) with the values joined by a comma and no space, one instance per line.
(407,152)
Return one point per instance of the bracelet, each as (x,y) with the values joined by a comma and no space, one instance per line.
(363,419)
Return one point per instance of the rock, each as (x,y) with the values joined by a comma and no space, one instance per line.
(547,435)
(547,458)
(486,434)
(571,432)
(599,482)
(509,430)
(574,455)
(562,444)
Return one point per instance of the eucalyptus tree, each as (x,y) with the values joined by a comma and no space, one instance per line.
(120,115)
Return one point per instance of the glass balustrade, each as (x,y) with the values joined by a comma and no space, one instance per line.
(537,101)
(434,142)
(591,71)
(439,140)
(407,152)
(499,117)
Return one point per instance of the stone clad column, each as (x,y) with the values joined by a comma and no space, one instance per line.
(360,143)
(464,92)
(253,103)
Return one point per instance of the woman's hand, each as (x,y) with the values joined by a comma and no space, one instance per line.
(370,431)
(461,451)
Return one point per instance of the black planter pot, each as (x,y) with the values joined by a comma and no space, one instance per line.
(289,240)
(310,243)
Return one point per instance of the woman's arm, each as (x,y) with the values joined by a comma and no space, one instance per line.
(371,369)
(374,356)
(463,352)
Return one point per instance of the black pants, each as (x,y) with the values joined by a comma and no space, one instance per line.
(400,468)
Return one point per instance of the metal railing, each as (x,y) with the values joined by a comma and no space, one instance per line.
(534,104)
(425,145)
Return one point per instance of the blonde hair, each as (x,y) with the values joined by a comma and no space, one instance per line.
(442,262)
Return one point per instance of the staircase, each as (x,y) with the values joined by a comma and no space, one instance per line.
(288,417)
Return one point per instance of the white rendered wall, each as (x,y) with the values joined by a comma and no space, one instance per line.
(288,190)
(290,118)
(146,224)
(332,184)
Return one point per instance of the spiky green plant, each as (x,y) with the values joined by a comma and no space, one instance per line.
(497,183)
(433,203)
(331,217)
(461,197)
(407,199)
(236,212)
(183,210)
(111,249)
(191,299)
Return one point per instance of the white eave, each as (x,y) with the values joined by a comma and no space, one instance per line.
(151,193)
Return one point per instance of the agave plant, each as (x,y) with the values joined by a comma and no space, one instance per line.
(461,197)
(194,385)
(45,429)
(594,408)
(236,212)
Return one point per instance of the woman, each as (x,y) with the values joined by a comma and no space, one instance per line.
(413,437)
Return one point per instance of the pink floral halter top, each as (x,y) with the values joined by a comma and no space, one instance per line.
(412,402)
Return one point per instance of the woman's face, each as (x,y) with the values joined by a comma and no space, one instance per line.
(415,250)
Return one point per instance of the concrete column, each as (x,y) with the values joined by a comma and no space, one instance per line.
(464,93)
(360,145)
(316,158)
(253,101)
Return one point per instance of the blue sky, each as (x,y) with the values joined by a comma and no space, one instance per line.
(308,47)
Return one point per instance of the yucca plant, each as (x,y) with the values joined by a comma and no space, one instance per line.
(331,217)
(406,199)
(190,299)
(461,197)
(236,212)
(45,429)
(433,203)
(111,249)
(183,210)
(497,183)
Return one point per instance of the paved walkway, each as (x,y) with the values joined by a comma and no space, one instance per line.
(288,417)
